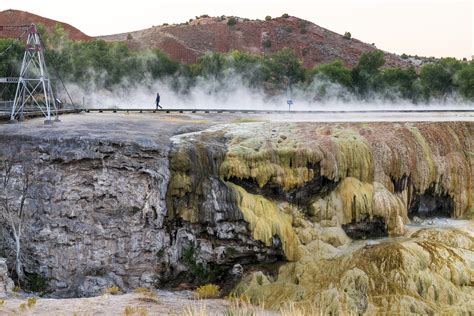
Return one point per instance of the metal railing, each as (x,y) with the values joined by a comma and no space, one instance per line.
(6,106)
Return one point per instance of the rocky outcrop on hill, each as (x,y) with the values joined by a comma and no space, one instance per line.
(185,200)
(17,17)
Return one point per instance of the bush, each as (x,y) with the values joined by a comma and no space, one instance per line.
(303,27)
(207,291)
(267,43)
(402,80)
(283,68)
(145,292)
(285,15)
(365,76)
(129,37)
(113,290)
(36,283)
(31,301)
(130,310)
(347,35)
(268,18)
(437,79)
(335,72)
(464,80)
(289,29)
(231,21)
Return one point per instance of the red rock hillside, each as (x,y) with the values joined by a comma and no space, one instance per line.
(16,17)
(313,44)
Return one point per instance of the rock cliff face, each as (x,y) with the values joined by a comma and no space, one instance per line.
(197,198)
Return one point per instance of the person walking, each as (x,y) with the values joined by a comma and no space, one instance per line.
(157,101)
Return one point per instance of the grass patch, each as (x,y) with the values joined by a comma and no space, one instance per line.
(139,311)
(112,290)
(207,291)
(245,120)
(31,301)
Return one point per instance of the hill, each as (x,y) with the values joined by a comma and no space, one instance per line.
(313,44)
(16,17)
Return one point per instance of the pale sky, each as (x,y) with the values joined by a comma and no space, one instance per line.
(424,27)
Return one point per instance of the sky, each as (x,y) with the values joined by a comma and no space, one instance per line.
(439,28)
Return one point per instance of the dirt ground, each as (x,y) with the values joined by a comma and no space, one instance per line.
(162,303)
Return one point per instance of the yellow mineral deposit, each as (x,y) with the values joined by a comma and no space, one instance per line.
(376,171)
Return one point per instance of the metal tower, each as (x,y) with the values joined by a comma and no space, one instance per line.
(34,86)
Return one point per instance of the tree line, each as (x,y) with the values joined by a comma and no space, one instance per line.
(107,65)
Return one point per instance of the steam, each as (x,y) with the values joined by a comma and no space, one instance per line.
(231,92)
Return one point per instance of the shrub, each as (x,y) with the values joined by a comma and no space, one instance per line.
(267,43)
(129,37)
(303,27)
(365,75)
(197,270)
(207,291)
(347,35)
(130,310)
(404,56)
(437,78)
(231,21)
(268,18)
(464,80)
(35,282)
(289,29)
(31,301)
(145,292)
(285,15)
(335,72)
(113,290)
(283,68)
(403,80)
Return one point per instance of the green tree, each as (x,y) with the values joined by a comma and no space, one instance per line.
(401,81)
(231,21)
(437,77)
(464,80)
(248,66)
(160,65)
(334,72)
(10,62)
(212,65)
(283,68)
(365,75)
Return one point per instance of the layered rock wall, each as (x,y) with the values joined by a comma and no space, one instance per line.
(146,213)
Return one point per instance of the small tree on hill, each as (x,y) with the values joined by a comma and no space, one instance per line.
(347,35)
(231,21)
(268,18)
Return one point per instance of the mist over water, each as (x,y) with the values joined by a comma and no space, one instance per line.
(232,93)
